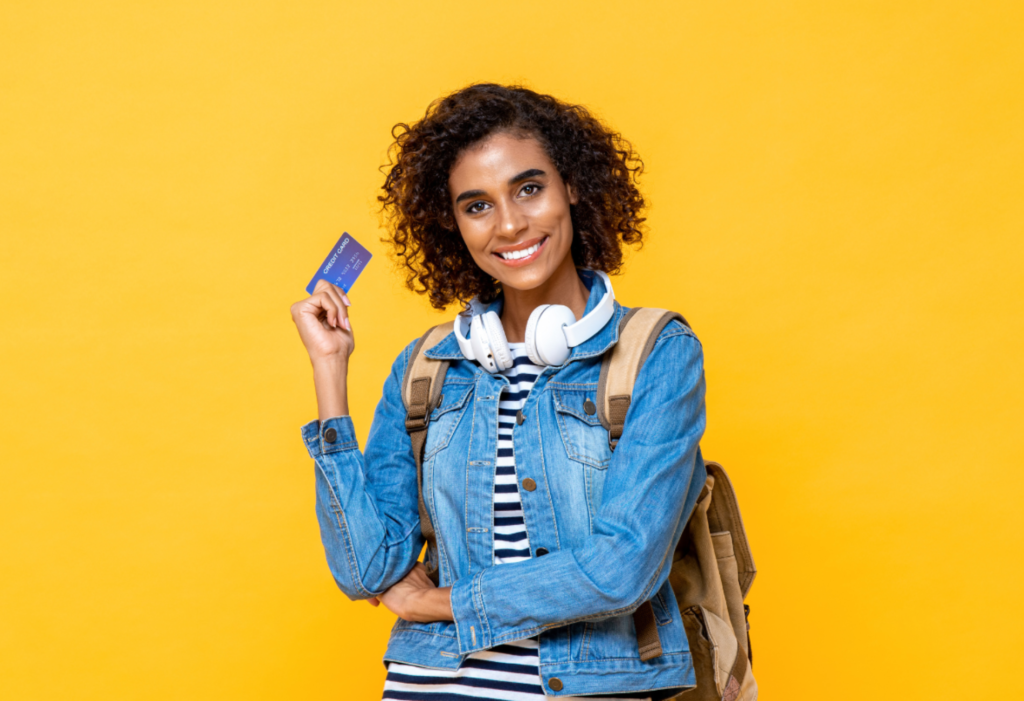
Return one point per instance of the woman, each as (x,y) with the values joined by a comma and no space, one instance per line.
(547,539)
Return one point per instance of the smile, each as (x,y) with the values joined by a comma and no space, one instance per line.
(522,255)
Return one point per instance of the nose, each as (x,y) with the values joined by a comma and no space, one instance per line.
(511,220)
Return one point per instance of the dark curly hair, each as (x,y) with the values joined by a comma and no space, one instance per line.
(598,163)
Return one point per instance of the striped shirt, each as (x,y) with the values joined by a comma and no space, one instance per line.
(507,672)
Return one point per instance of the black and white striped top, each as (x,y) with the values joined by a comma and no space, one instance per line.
(507,672)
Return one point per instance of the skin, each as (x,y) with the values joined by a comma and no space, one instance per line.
(506,195)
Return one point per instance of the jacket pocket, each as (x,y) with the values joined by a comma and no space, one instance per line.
(445,417)
(585,439)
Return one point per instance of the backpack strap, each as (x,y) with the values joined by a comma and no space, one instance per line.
(638,331)
(421,391)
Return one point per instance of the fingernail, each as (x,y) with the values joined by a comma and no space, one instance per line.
(344,298)
(347,324)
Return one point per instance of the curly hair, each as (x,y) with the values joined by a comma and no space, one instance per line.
(599,164)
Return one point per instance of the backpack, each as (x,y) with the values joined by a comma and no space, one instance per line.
(712,568)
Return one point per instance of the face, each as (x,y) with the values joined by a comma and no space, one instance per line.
(512,209)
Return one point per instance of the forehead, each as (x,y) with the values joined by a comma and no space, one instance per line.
(499,157)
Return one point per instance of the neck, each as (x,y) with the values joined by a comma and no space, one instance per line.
(563,287)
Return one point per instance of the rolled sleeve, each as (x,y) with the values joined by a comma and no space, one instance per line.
(469,615)
(320,441)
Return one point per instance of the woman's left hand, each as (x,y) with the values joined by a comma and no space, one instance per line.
(416,599)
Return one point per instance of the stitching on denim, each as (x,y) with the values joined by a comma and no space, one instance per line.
(588,634)
(341,447)
(570,447)
(566,408)
(458,404)
(353,563)
(413,631)
(573,385)
(443,565)
(454,418)
(346,538)
(547,486)
(571,663)
(465,515)
(485,625)
(588,484)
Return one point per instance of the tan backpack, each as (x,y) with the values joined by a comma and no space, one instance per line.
(712,569)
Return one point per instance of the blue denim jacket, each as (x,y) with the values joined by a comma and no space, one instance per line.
(605,522)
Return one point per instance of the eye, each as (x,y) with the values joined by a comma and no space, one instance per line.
(530,189)
(476,207)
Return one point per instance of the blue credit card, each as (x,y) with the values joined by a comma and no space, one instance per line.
(342,265)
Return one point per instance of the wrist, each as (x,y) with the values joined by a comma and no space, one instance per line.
(330,365)
(433,605)
(330,379)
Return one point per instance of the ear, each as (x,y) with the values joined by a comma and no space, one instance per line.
(573,197)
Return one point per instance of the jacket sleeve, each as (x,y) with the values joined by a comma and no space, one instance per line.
(366,503)
(653,479)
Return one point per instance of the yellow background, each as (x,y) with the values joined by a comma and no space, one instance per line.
(837,208)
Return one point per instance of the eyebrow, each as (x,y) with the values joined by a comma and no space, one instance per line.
(531,173)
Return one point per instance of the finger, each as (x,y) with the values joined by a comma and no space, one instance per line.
(373,601)
(329,305)
(335,295)
(324,285)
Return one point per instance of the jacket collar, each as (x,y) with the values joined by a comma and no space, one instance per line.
(596,345)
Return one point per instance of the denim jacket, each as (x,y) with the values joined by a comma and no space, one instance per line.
(606,522)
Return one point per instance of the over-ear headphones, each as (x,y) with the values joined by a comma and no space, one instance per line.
(551,332)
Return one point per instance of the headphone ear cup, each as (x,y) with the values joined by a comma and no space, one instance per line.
(547,343)
(531,332)
(496,339)
(478,341)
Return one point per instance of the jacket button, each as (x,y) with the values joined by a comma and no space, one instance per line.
(555,684)
(529,485)
(588,406)
(544,551)
(520,418)
(330,435)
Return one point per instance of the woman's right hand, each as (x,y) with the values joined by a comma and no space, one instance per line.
(323,324)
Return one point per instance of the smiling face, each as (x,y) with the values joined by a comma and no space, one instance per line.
(512,209)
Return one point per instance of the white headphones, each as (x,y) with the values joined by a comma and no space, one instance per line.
(551,332)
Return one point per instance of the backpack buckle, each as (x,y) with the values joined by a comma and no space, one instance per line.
(416,423)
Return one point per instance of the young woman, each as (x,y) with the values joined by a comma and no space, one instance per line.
(547,538)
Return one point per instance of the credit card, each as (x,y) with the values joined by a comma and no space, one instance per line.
(342,265)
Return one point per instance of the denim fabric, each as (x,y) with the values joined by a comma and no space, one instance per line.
(609,521)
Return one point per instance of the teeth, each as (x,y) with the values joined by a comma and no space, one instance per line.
(516,255)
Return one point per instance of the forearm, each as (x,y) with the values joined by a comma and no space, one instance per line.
(330,378)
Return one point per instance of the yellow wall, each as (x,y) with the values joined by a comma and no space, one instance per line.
(837,208)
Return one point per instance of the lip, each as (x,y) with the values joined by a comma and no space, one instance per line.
(520,262)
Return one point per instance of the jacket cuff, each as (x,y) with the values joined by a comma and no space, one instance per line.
(334,435)
(470,617)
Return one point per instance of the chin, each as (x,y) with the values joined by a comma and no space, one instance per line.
(527,278)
